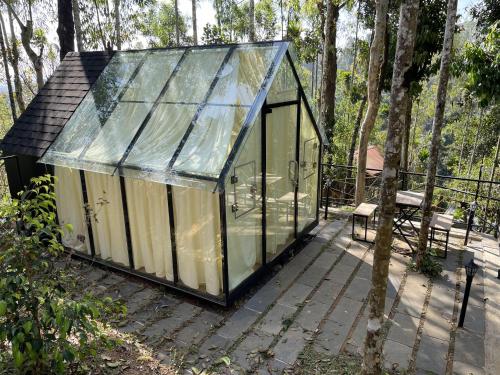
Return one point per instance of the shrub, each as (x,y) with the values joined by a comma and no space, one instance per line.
(429,265)
(42,329)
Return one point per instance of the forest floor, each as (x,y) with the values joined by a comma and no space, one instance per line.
(309,315)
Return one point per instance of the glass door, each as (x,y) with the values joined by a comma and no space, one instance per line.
(282,174)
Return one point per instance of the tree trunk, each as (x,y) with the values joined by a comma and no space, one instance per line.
(329,74)
(413,142)
(469,115)
(374,73)
(355,134)
(118,31)
(492,178)
(7,70)
(372,361)
(177,34)
(65,28)
(406,141)
(18,86)
(438,122)
(78,25)
(195,25)
(251,21)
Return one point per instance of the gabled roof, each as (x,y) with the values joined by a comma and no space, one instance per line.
(43,119)
(177,116)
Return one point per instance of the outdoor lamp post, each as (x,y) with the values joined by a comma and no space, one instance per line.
(470,270)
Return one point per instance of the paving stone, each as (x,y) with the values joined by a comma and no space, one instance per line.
(340,273)
(358,289)
(290,345)
(312,276)
(215,345)
(274,321)
(365,272)
(327,292)
(396,355)
(332,336)
(295,295)
(248,354)
(311,315)
(432,354)
(469,347)
(111,279)
(238,323)
(404,329)
(413,298)
(462,368)
(95,274)
(140,299)
(127,289)
(287,275)
(475,319)
(264,298)
(437,324)
(355,344)
(193,333)
(346,311)
(138,321)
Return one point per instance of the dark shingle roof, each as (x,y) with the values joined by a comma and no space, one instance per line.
(36,129)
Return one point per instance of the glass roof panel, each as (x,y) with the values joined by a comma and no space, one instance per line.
(211,140)
(154,73)
(190,84)
(242,76)
(284,86)
(160,138)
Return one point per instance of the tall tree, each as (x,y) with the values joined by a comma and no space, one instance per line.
(374,78)
(7,70)
(372,361)
(27,38)
(14,55)
(444,75)
(195,25)
(65,27)
(78,25)
(177,33)
(329,76)
(251,20)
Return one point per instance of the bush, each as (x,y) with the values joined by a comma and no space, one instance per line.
(42,329)
(429,266)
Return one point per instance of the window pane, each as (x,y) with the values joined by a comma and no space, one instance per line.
(115,136)
(284,87)
(243,75)
(162,135)
(211,140)
(154,73)
(197,71)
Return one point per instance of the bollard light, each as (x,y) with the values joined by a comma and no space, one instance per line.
(470,271)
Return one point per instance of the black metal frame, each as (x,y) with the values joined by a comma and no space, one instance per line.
(228,296)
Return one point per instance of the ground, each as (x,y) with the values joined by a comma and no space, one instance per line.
(309,316)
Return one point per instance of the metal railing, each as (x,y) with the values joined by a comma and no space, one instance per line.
(474,203)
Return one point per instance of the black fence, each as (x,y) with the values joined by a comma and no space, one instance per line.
(474,203)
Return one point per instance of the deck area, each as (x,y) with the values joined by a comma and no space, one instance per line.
(318,302)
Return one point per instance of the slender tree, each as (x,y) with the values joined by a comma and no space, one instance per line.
(26,38)
(372,361)
(355,132)
(177,33)
(118,31)
(438,123)
(329,76)
(14,55)
(66,27)
(195,25)
(78,25)
(374,77)
(5,61)
(251,20)
(406,139)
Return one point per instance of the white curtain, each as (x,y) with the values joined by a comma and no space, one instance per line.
(106,211)
(198,240)
(149,227)
(70,209)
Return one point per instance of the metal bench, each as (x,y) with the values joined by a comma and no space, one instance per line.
(364,210)
(441,223)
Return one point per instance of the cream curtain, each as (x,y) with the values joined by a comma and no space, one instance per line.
(149,227)
(198,240)
(70,209)
(106,211)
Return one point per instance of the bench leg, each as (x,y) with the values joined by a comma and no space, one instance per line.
(446,245)
(352,233)
(432,237)
(366,227)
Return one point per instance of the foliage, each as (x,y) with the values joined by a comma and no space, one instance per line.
(42,329)
(430,267)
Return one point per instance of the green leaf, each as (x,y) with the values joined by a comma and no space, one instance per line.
(27,326)
(223,360)
(3,307)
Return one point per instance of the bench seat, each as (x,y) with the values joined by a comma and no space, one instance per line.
(364,210)
(442,223)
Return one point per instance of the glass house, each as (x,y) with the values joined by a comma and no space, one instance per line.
(193,167)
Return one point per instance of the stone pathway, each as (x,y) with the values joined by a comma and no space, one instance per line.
(318,300)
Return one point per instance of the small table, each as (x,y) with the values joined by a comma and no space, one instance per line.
(409,203)
(289,198)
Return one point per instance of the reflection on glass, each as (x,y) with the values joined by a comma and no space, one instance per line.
(308,176)
(211,140)
(154,73)
(284,86)
(160,138)
(244,210)
(242,76)
(197,71)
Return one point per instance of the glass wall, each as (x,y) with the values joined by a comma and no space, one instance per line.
(307,197)
(281,178)
(244,210)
